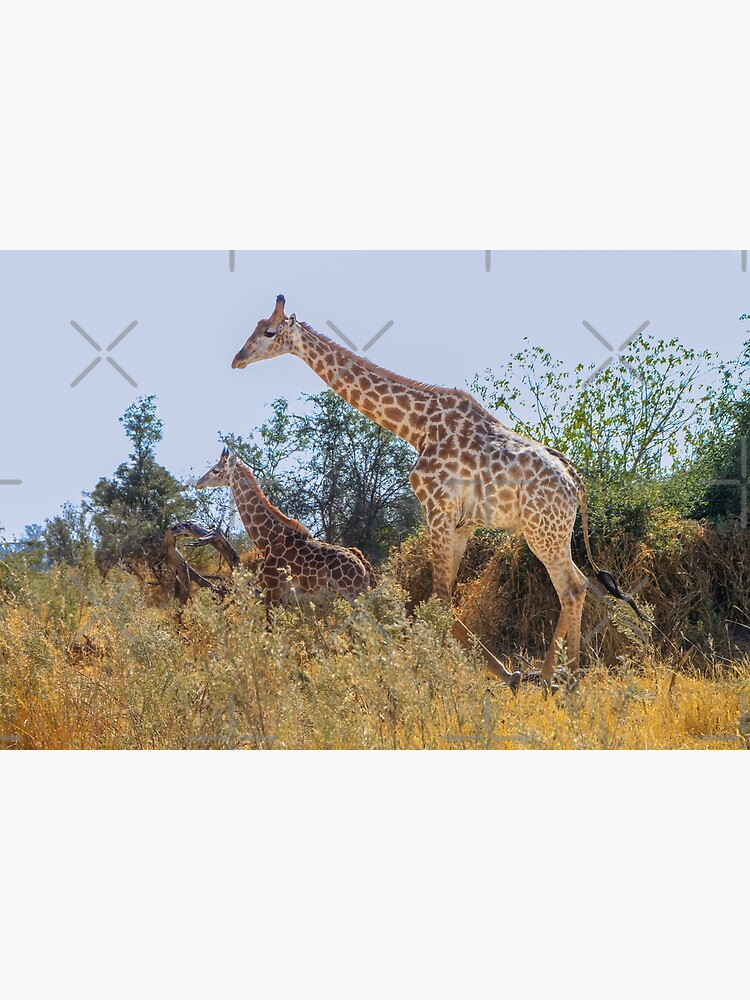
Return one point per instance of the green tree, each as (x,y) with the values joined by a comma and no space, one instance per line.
(31,546)
(66,536)
(725,452)
(633,429)
(131,511)
(634,418)
(342,475)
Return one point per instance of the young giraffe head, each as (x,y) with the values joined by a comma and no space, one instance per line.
(267,340)
(219,474)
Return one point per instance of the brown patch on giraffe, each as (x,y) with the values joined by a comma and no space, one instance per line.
(288,548)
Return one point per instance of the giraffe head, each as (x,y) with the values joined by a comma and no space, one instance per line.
(219,474)
(267,339)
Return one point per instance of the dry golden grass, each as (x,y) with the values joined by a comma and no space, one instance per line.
(112,670)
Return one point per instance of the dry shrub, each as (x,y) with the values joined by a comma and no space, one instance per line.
(692,578)
(411,567)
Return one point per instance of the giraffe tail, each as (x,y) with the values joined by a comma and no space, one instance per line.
(606,579)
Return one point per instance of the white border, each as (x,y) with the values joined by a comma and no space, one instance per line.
(575,126)
(373,874)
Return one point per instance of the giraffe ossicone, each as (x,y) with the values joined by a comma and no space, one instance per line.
(291,556)
(471,471)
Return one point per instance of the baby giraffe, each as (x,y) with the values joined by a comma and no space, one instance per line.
(290,554)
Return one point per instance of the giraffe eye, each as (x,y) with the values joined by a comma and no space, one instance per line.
(270,333)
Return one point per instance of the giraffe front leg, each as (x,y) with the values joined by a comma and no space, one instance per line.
(447,549)
(442,532)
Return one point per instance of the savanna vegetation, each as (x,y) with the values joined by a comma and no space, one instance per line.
(96,653)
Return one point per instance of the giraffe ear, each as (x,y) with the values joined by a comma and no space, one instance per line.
(278,313)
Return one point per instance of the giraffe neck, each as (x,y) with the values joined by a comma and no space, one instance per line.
(398,404)
(265,524)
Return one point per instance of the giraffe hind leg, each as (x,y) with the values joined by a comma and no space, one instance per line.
(570,586)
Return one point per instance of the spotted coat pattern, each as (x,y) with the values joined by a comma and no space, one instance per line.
(291,556)
(471,470)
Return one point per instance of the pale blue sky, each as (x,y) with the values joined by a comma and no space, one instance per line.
(451,319)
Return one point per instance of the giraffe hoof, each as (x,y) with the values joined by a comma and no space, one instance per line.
(548,687)
(514,682)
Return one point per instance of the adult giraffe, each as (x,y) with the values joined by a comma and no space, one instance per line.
(471,471)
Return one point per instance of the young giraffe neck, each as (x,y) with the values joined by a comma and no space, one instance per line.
(397,404)
(265,524)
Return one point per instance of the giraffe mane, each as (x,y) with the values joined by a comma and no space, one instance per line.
(290,522)
(370,366)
